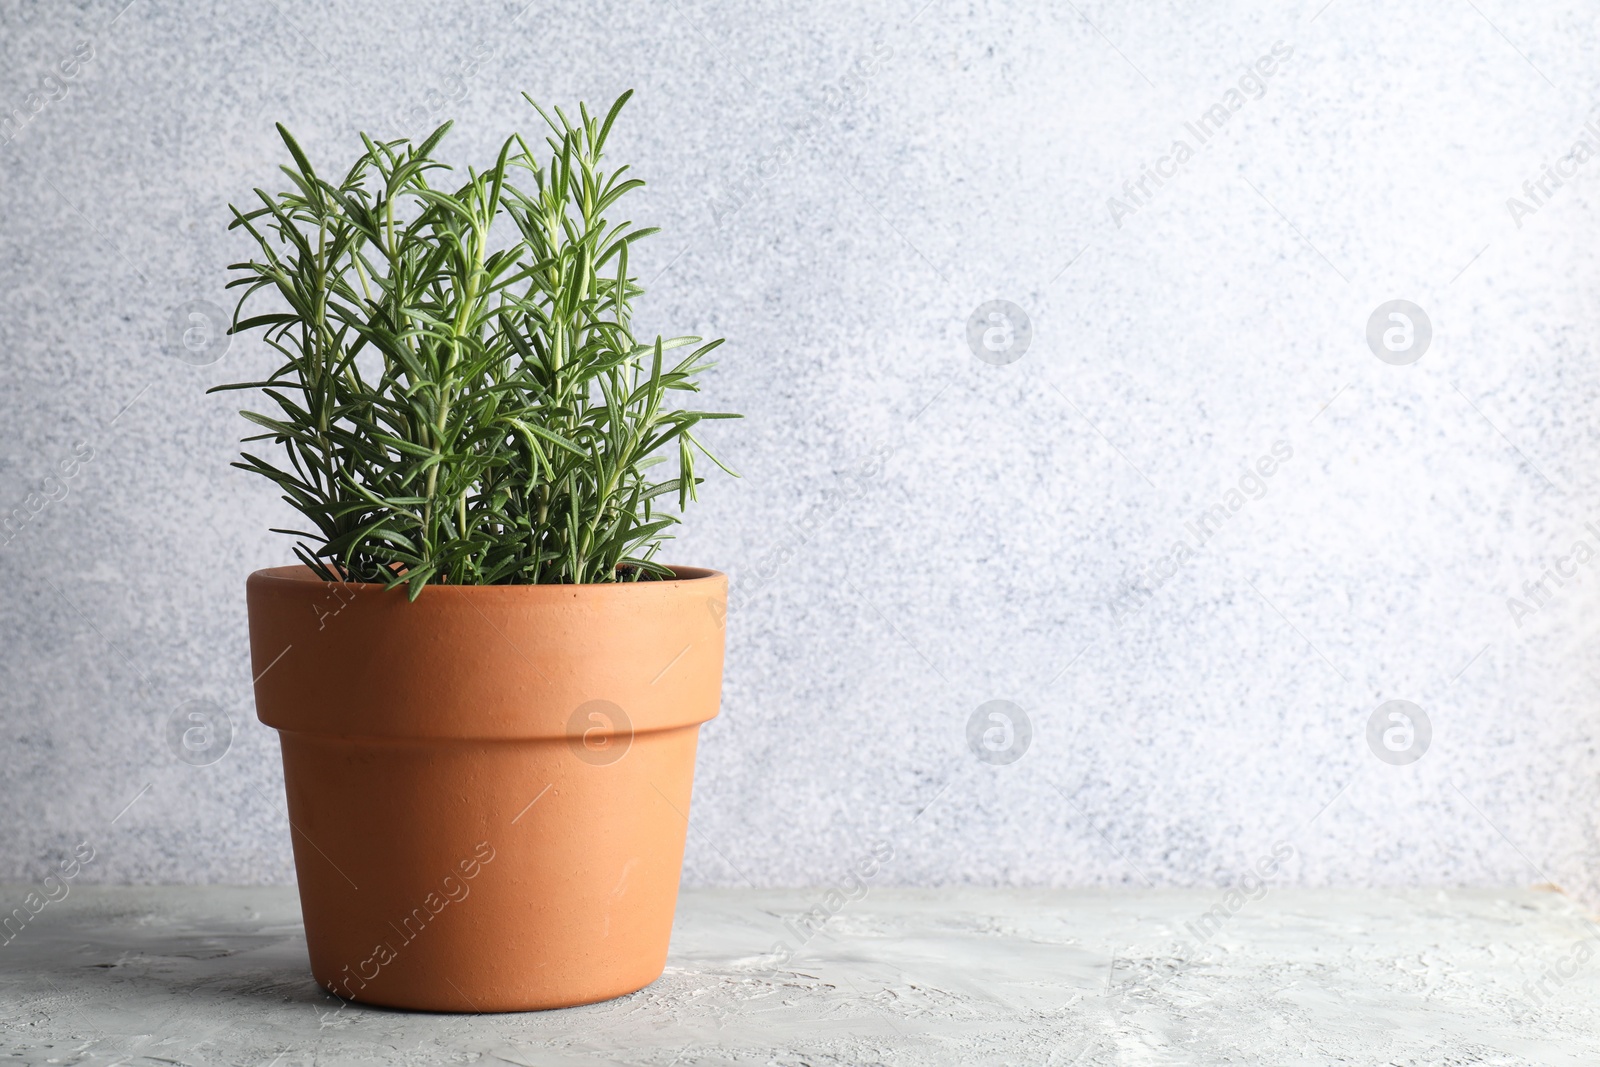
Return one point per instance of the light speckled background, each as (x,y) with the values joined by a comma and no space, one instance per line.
(898,166)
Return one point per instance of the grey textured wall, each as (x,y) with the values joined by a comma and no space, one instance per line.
(919,531)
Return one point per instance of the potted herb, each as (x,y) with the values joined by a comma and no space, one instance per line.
(487,688)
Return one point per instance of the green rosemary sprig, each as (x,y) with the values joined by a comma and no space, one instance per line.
(461,397)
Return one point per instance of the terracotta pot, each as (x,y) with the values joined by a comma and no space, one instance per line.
(489,787)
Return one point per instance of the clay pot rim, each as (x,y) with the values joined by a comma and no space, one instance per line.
(299,573)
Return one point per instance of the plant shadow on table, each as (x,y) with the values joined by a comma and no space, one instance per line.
(225,963)
(205,963)
(132,959)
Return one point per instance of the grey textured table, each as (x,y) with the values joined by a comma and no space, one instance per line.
(1406,977)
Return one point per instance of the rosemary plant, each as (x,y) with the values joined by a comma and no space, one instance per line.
(461,397)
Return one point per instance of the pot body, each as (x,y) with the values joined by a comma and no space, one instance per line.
(488,787)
